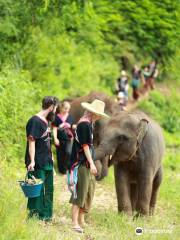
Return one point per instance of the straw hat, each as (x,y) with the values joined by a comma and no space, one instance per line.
(97,107)
(123,73)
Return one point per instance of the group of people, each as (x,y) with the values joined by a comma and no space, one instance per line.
(74,148)
(145,76)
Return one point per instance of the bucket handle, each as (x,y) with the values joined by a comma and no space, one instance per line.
(28,174)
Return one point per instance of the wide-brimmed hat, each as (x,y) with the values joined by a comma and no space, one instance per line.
(97,107)
(123,73)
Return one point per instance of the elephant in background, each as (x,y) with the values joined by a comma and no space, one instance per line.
(76,111)
(136,144)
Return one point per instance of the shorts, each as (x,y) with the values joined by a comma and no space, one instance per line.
(85,189)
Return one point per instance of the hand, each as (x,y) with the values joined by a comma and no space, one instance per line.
(31,166)
(56,142)
(61,125)
(74,126)
(93,169)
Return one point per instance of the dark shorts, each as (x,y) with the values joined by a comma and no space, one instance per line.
(85,189)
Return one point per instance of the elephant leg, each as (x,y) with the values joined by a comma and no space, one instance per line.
(122,190)
(105,162)
(134,195)
(144,194)
(156,183)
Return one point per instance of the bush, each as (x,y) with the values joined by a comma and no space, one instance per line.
(17,102)
(164,109)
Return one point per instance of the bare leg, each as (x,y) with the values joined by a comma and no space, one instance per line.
(156,184)
(122,190)
(75,214)
(81,218)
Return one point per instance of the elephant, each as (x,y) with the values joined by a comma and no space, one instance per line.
(136,145)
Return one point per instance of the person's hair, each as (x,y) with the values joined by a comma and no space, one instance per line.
(48,101)
(61,105)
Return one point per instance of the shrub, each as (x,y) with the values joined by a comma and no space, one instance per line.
(164,109)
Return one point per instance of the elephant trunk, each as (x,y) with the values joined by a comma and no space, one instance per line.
(101,162)
(99,153)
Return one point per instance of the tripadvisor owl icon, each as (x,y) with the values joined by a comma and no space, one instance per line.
(139,231)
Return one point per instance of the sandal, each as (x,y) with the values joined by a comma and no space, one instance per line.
(78,229)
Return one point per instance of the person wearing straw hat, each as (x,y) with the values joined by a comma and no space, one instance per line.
(82,155)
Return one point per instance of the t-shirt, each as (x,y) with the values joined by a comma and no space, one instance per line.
(63,134)
(136,74)
(37,130)
(83,136)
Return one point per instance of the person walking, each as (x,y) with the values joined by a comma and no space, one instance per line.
(153,74)
(39,159)
(146,74)
(63,126)
(82,155)
(135,84)
(122,90)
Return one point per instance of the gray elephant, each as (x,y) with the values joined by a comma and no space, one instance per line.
(136,144)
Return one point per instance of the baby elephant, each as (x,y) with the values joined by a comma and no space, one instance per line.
(136,144)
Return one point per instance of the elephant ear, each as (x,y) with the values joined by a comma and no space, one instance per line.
(143,128)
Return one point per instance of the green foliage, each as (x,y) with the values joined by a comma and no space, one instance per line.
(165,109)
(173,70)
(60,72)
(153,25)
(17,94)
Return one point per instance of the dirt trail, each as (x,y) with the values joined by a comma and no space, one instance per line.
(105,196)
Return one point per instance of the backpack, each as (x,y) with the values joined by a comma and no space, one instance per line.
(72,179)
(135,83)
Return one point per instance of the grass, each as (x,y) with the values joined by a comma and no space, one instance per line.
(104,221)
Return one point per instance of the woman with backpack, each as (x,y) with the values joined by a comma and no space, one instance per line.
(135,84)
(82,156)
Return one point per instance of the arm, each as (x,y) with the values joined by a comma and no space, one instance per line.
(32,155)
(56,140)
(74,126)
(156,73)
(90,160)
(142,78)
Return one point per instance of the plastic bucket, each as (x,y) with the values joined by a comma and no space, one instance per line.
(31,191)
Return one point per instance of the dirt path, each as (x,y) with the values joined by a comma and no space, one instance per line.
(105,196)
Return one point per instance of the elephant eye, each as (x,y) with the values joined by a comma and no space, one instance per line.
(122,138)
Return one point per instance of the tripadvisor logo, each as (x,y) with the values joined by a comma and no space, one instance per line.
(139,231)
